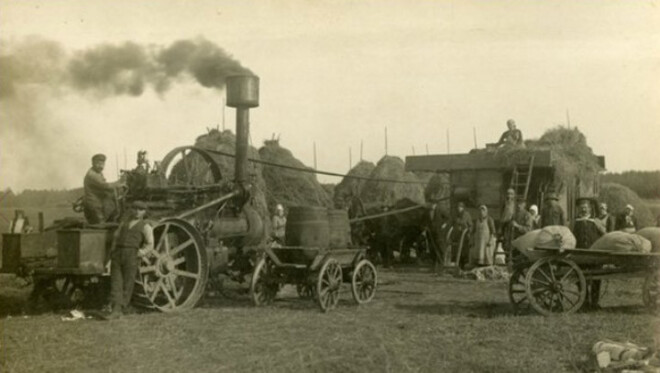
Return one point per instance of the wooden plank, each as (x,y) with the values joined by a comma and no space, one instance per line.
(598,252)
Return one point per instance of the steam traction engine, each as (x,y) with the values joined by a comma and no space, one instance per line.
(202,224)
(205,225)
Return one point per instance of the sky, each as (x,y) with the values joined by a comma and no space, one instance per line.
(337,74)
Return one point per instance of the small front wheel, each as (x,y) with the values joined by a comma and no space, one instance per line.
(264,285)
(328,284)
(364,282)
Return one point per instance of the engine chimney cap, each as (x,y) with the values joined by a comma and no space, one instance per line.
(242,91)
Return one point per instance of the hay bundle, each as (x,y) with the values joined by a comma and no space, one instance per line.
(379,190)
(350,186)
(289,187)
(618,196)
(437,187)
(572,157)
(226,142)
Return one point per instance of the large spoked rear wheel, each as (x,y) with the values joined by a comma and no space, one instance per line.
(264,285)
(518,290)
(328,284)
(364,282)
(555,286)
(651,291)
(174,276)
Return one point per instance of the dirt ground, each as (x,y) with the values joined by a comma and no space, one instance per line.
(416,323)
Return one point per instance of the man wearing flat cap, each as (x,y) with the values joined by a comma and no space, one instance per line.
(522,220)
(552,213)
(98,192)
(133,239)
(627,221)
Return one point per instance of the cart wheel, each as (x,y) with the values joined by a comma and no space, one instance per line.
(555,285)
(305,291)
(264,285)
(517,290)
(364,281)
(328,284)
(651,291)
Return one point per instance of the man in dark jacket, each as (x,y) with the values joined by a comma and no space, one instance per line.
(587,230)
(522,220)
(605,218)
(97,191)
(438,222)
(462,222)
(511,137)
(552,213)
(134,238)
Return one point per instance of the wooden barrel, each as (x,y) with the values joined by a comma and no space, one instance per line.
(340,229)
(307,226)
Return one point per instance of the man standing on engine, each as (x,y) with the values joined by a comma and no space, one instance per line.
(98,192)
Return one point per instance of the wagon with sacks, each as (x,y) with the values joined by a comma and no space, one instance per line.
(318,257)
(552,276)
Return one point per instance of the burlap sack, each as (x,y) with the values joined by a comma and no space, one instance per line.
(622,242)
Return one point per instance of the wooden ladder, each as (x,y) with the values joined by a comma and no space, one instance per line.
(521,178)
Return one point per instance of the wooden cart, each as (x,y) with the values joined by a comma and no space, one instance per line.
(554,281)
(317,274)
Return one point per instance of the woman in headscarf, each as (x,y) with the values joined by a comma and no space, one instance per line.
(536,218)
(483,242)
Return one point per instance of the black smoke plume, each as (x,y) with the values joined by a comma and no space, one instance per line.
(115,69)
(37,148)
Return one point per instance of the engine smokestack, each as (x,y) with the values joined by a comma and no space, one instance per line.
(242,94)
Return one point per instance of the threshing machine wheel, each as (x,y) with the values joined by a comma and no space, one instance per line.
(174,276)
(190,166)
(364,282)
(518,289)
(328,284)
(264,285)
(651,291)
(555,285)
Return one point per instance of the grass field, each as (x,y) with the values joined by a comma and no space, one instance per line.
(416,323)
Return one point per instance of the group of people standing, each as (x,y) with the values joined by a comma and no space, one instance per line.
(516,219)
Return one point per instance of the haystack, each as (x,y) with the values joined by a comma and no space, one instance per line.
(379,190)
(437,187)
(618,196)
(225,141)
(349,185)
(289,187)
